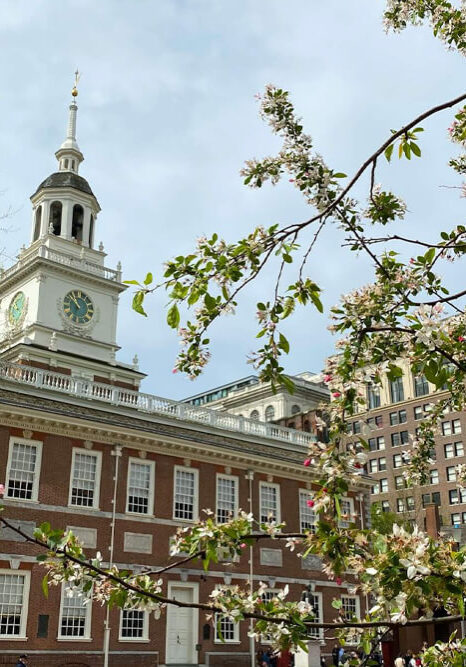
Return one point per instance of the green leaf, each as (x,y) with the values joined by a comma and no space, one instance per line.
(316,301)
(45,587)
(407,150)
(429,256)
(284,344)
(337,604)
(173,317)
(148,279)
(388,152)
(339,175)
(415,148)
(130,282)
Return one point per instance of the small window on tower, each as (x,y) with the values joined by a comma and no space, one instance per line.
(55,217)
(91,232)
(72,164)
(66,164)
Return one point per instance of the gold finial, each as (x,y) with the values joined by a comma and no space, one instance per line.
(77,76)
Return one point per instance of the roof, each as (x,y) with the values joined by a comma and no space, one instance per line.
(66,179)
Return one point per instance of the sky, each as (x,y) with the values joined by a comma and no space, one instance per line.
(167,117)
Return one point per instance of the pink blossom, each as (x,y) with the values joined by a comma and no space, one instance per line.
(2,489)
(461,339)
(175,370)
(327,378)
(339,580)
(307,463)
(243,545)
(336,394)
(310,503)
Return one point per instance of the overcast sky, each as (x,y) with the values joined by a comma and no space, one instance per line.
(167,117)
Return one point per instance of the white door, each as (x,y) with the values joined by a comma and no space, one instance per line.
(181,628)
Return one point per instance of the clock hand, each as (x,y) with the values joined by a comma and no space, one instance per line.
(75,301)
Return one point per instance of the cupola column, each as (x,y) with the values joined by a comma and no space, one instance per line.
(67,216)
(86,227)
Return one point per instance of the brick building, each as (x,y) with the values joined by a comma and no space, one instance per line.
(394,414)
(82,447)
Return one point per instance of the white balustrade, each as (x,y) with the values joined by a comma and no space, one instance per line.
(128,398)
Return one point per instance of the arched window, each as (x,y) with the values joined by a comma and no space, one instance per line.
(295,409)
(91,232)
(77,223)
(254,414)
(72,165)
(269,413)
(38,219)
(66,164)
(55,217)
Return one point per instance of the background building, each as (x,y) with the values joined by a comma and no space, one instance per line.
(83,448)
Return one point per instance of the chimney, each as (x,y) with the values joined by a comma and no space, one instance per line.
(432,520)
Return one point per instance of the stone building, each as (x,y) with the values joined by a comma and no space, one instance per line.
(83,448)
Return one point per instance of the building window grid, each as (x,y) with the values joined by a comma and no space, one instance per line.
(458,518)
(269,502)
(350,606)
(307,516)
(397,461)
(226,630)
(421,386)
(185,494)
(434,476)
(140,487)
(23,470)
(75,613)
(85,479)
(384,485)
(451,473)
(12,604)
(396,390)
(457,496)
(227,498)
(315,600)
(373,396)
(133,624)
(453,449)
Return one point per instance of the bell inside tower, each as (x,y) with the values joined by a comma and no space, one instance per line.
(55,217)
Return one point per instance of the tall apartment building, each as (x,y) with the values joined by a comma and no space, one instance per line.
(395,411)
(83,448)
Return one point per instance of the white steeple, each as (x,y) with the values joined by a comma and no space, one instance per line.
(68,155)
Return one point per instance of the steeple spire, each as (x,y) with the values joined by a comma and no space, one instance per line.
(68,155)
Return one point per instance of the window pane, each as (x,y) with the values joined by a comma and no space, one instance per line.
(396,390)
(269,503)
(132,624)
(84,479)
(11,604)
(226,499)
(22,469)
(184,495)
(421,386)
(139,487)
(74,613)
(306,514)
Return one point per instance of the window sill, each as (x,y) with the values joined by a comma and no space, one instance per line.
(74,639)
(31,501)
(135,640)
(139,514)
(84,508)
(14,638)
(231,642)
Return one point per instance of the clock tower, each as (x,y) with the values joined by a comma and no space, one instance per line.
(59,302)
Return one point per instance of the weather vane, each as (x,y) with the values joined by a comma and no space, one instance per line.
(77,76)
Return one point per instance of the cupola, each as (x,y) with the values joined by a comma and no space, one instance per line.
(64,204)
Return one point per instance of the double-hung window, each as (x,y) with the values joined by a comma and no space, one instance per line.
(397,460)
(85,478)
(373,396)
(307,516)
(75,614)
(347,512)
(23,469)
(451,473)
(453,449)
(14,595)
(384,485)
(140,487)
(227,497)
(134,625)
(350,607)
(269,500)
(226,630)
(434,477)
(186,494)
(315,599)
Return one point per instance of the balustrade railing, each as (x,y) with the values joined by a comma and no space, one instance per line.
(127,398)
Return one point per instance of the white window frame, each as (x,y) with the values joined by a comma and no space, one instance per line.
(195,472)
(98,470)
(87,621)
(382,486)
(145,629)
(230,478)
(26,574)
(451,473)
(456,426)
(236,638)
(150,506)
(357,606)
(304,496)
(262,485)
(373,465)
(434,470)
(35,485)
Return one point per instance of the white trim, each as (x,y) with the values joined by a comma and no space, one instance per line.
(195,472)
(145,628)
(233,478)
(194,586)
(98,455)
(26,574)
(150,507)
(277,488)
(35,484)
(87,620)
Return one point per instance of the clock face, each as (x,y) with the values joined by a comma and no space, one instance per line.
(17,307)
(78,307)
